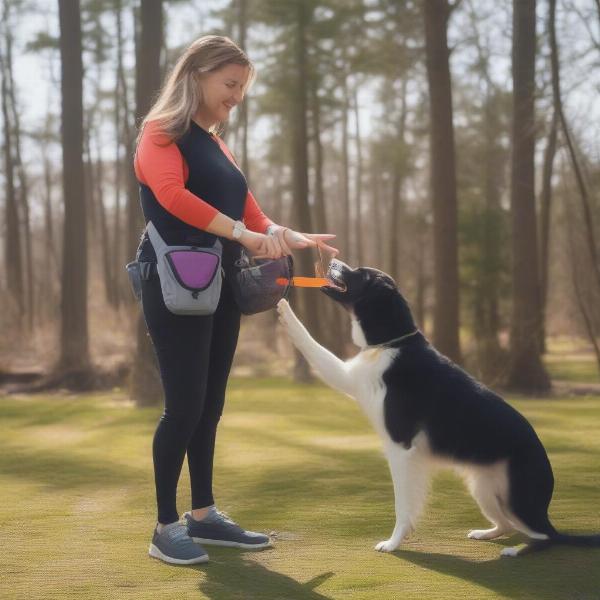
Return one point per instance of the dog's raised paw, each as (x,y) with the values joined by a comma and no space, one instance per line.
(385,546)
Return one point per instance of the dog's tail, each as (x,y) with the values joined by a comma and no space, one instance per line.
(566,539)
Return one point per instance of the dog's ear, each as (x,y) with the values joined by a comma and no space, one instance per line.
(383,314)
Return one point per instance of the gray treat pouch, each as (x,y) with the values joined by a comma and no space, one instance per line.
(190,277)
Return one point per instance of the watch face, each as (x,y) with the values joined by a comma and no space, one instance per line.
(237,230)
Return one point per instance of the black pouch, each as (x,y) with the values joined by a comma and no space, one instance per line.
(259,284)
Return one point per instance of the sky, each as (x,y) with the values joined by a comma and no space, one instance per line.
(37,76)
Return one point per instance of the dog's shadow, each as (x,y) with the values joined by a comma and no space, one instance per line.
(554,574)
(233,575)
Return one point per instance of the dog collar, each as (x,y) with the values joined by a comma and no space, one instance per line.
(398,339)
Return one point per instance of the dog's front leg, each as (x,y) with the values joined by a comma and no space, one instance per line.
(333,371)
(409,476)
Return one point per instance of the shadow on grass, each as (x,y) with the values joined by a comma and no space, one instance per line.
(233,575)
(64,470)
(554,574)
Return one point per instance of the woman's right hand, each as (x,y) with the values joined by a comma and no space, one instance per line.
(260,245)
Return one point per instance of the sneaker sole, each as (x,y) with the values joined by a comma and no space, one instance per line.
(154,552)
(232,544)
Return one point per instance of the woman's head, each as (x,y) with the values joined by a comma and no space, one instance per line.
(208,79)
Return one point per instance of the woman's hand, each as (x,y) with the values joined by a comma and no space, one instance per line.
(260,245)
(320,238)
(289,240)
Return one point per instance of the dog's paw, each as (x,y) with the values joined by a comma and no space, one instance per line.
(283,305)
(510,552)
(482,534)
(288,319)
(286,314)
(386,546)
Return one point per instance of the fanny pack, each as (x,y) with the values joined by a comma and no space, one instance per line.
(190,277)
(259,284)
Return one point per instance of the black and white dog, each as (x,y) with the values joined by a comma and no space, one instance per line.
(430,413)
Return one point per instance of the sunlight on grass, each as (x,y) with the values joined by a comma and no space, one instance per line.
(570,359)
(78,506)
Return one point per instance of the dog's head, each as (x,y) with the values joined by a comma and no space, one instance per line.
(380,312)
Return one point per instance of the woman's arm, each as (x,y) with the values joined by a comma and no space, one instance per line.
(160,165)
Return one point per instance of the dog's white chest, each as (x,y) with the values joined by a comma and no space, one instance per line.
(367,369)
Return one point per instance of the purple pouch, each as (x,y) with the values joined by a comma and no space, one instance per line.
(190,277)
(194,269)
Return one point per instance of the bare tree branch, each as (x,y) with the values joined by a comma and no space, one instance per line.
(583,191)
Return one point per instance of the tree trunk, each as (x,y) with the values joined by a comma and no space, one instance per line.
(490,356)
(443,180)
(358,224)
(110,288)
(526,371)
(145,388)
(395,222)
(74,352)
(300,177)
(29,304)
(588,321)
(545,210)
(243,114)
(117,255)
(346,246)
(329,310)
(12,241)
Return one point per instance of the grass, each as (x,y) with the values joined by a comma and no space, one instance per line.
(77,505)
(571,360)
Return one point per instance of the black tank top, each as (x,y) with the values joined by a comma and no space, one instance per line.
(212,177)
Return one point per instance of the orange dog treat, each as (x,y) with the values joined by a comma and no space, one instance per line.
(304,281)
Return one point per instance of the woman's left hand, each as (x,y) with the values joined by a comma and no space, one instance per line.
(289,240)
(319,239)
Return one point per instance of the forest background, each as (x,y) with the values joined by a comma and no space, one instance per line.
(452,145)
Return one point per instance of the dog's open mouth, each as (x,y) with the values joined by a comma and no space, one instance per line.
(334,277)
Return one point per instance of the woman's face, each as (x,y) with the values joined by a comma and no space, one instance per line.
(222,90)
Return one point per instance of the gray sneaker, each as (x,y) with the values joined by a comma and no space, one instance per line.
(218,529)
(174,545)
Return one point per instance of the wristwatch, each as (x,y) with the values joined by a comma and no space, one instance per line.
(238,229)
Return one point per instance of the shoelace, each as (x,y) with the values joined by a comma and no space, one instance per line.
(225,517)
(177,533)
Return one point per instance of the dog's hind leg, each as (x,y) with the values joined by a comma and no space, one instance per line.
(531,486)
(410,476)
(489,487)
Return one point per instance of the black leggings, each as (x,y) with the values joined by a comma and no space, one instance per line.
(194,356)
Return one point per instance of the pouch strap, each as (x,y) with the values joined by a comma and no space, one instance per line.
(155,238)
(147,270)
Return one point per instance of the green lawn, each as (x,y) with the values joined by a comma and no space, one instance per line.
(77,505)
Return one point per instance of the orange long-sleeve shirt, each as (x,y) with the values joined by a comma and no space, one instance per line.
(160,165)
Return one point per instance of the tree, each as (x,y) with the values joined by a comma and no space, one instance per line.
(145,387)
(526,371)
(300,165)
(12,247)
(579,177)
(443,179)
(74,348)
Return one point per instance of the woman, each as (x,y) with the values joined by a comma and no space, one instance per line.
(192,191)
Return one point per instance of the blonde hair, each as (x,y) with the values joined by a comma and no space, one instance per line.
(181,95)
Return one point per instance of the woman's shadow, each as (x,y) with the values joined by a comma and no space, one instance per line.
(233,575)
